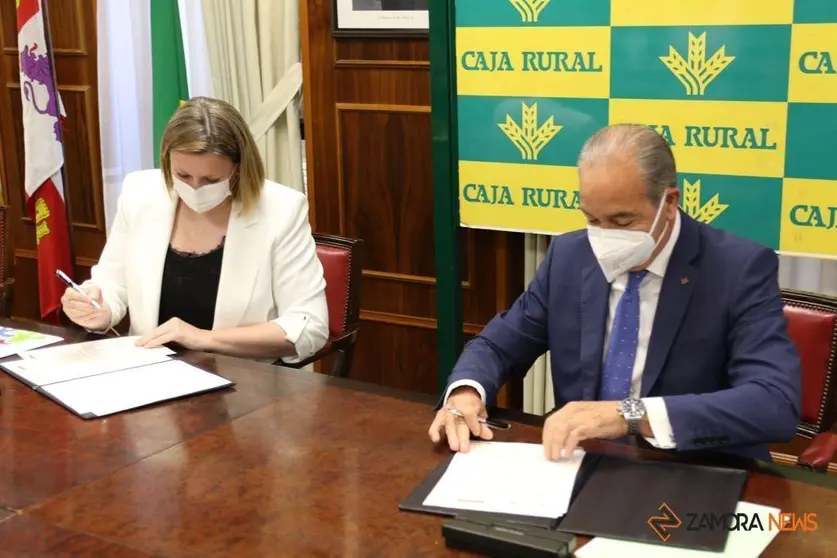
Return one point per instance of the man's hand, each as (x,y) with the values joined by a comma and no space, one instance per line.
(176,331)
(457,429)
(581,420)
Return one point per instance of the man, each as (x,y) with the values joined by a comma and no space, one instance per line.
(657,325)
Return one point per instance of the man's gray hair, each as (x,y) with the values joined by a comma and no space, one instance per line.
(643,145)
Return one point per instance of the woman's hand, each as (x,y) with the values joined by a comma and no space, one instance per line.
(79,308)
(176,331)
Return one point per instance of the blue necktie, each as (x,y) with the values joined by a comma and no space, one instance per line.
(621,351)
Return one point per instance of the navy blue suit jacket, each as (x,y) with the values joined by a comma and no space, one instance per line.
(719,352)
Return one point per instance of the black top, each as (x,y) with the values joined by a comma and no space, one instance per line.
(190,286)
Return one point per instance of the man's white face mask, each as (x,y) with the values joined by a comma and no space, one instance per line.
(620,250)
(204,198)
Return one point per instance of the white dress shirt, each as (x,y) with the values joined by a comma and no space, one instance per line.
(649,296)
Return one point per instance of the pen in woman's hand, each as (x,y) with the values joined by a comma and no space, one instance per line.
(72,284)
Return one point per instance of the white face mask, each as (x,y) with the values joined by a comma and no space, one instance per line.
(620,250)
(204,198)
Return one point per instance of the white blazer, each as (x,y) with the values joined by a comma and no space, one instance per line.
(270,270)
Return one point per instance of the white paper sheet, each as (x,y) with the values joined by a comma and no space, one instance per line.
(135,387)
(14,341)
(511,478)
(69,362)
(89,351)
(740,544)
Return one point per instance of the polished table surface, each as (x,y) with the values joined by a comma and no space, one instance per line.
(288,463)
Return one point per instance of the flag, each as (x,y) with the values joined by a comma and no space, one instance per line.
(140,85)
(168,66)
(196,49)
(124,78)
(43,154)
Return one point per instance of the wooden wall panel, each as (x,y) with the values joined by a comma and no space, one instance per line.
(383,188)
(74,51)
(368,140)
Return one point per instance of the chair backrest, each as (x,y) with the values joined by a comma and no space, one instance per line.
(342,265)
(812,325)
(3,237)
(6,265)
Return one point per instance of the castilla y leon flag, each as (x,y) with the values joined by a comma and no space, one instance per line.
(43,153)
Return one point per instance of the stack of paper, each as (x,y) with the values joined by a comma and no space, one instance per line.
(108,376)
(510,478)
(105,394)
(740,543)
(79,360)
(14,341)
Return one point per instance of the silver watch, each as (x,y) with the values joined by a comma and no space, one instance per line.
(632,410)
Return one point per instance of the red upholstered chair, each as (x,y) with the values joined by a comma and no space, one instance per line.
(342,266)
(812,324)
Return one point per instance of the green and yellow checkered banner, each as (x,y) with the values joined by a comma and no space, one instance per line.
(745,92)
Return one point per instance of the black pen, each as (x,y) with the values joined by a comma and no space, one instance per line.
(490,423)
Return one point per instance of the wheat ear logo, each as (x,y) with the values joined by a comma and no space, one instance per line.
(697,72)
(529,10)
(530,138)
(705,213)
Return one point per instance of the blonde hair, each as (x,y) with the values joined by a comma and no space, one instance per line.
(204,125)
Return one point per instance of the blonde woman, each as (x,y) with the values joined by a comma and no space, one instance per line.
(207,254)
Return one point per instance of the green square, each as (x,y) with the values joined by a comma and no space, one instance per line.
(757,72)
(810,142)
(753,205)
(518,13)
(815,11)
(482,139)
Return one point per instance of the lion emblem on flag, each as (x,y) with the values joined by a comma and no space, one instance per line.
(36,67)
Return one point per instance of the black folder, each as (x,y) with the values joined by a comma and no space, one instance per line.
(622,495)
(415,502)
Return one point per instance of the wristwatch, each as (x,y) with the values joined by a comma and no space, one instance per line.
(632,410)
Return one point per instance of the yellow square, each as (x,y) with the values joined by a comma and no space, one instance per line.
(516,197)
(700,12)
(813,64)
(809,217)
(533,61)
(716,137)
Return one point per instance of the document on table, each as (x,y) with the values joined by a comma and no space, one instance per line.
(14,341)
(504,477)
(740,544)
(106,394)
(78,360)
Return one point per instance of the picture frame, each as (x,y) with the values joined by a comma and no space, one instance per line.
(381,17)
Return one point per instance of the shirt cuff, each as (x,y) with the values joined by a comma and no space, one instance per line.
(655,409)
(293,326)
(469,383)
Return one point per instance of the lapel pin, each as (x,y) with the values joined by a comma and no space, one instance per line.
(684,280)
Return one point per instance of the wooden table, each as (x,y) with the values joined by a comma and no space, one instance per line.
(289,463)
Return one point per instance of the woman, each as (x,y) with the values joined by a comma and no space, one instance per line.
(207,254)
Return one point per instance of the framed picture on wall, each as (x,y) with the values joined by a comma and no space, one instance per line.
(398,17)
